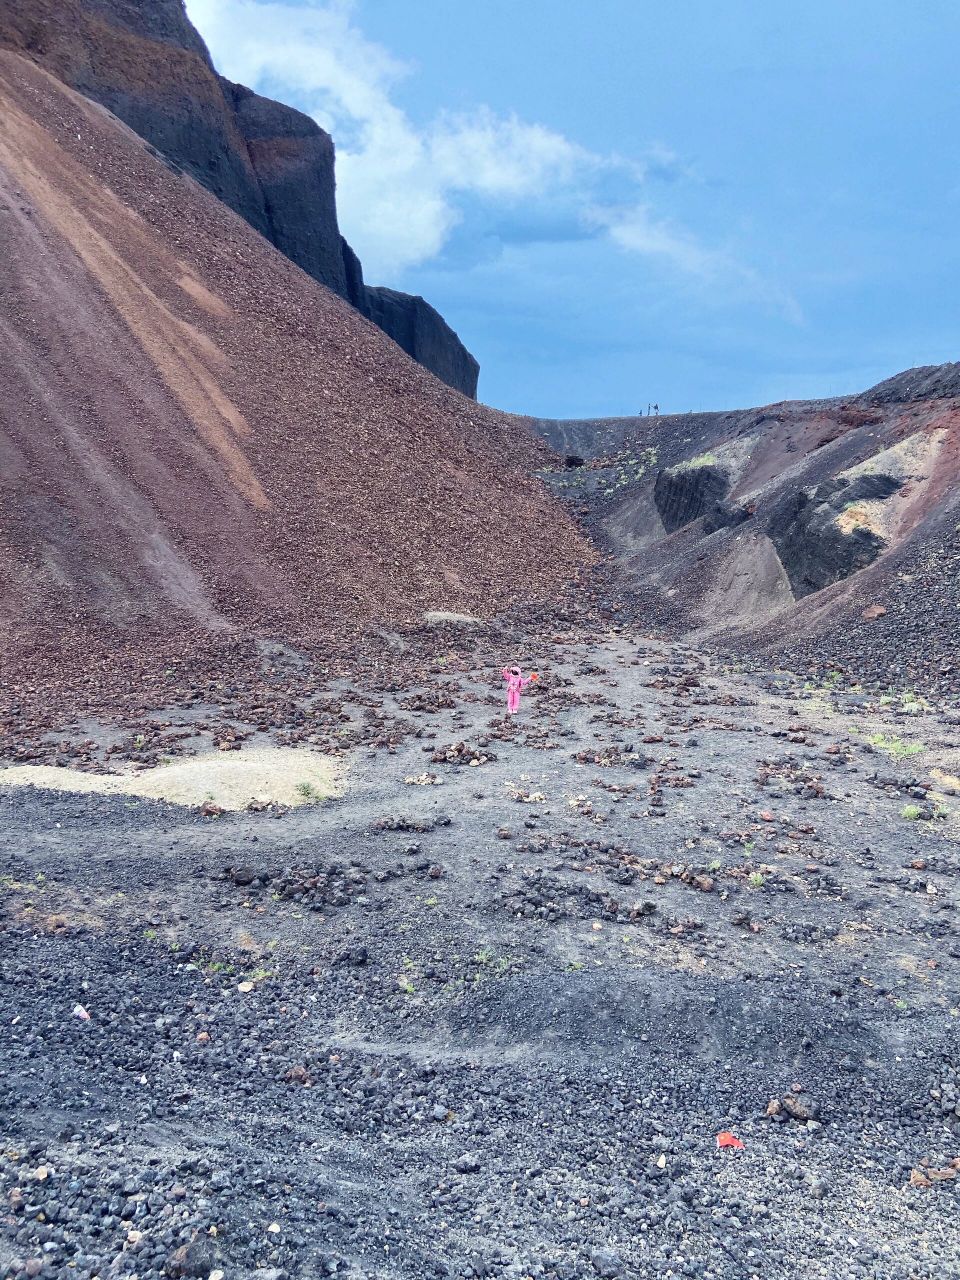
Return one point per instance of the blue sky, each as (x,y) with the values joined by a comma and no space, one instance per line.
(705,205)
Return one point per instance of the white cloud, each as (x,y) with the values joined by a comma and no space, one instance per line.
(636,229)
(397,190)
(400,188)
(502,156)
(396,185)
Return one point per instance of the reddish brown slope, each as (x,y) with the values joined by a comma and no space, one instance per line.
(194,434)
(145,62)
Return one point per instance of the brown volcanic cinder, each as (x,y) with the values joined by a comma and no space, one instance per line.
(196,435)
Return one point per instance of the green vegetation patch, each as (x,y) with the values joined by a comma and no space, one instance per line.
(895,746)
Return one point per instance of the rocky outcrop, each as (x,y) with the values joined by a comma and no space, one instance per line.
(413,325)
(786,527)
(146,64)
(687,492)
(292,160)
(273,165)
(814,547)
(424,334)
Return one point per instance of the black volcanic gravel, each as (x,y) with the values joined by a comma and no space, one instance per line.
(492,1028)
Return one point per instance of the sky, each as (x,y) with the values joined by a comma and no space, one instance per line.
(701,205)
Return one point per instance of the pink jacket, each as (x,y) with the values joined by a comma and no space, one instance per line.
(514,683)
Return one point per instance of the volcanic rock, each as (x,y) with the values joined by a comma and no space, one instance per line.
(221,444)
(272,164)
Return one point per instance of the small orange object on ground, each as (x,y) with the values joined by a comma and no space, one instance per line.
(727,1139)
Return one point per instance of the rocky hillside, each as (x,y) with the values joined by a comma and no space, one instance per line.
(821,528)
(199,439)
(273,165)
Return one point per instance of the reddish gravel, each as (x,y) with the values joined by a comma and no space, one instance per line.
(199,444)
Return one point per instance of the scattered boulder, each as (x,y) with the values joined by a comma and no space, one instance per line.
(196,1259)
(606,1263)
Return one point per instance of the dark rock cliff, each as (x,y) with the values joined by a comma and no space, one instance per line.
(813,549)
(685,493)
(413,324)
(145,62)
(292,160)
(424,334)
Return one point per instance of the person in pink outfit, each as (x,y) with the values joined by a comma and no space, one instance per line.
(515,682)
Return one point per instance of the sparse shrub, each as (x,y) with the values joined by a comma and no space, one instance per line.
(702,460)
(491,964)
(895,746)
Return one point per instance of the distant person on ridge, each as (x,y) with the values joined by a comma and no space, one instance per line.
(516,682)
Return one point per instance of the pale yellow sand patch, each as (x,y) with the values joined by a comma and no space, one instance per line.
(435,617)
(229,779)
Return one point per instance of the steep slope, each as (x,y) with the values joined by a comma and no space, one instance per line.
(197,437)
(273,165)
(827,528)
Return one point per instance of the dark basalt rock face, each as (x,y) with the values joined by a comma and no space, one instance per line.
(813,550)
(725,515)
(273,165)
(293,162)
(146,64)
(353,276)
(685,493)
(413,325)
(424,334)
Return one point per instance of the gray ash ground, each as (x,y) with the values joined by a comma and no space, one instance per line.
(491,1025)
